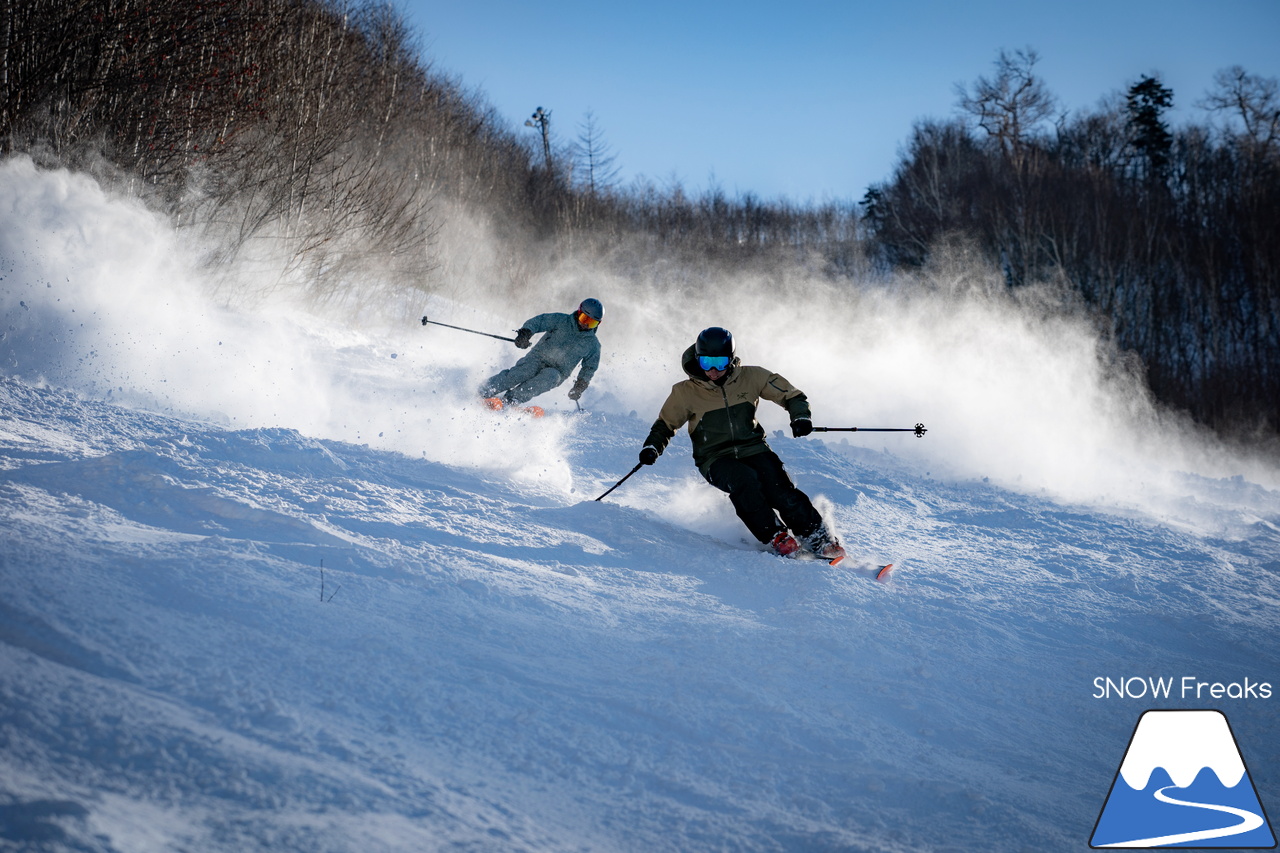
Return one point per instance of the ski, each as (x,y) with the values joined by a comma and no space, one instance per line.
(495,404)
(833,554)
(879,571)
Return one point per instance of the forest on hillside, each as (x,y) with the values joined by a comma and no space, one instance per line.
(1168,235)
(319,127)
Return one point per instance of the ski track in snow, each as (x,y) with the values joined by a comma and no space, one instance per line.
(499,666)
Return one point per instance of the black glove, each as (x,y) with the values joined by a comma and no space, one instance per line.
(576,391)
(649,455)
(524,338)
(801,427)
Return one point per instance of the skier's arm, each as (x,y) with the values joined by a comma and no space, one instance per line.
(590,364)
(541,323)
(532,326)
(671,418)
(780,391)
(657,441)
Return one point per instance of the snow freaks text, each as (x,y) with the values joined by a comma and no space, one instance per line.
(1186,687)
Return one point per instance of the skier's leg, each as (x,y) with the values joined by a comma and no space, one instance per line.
(541,382)
(797,511)
(743,485)
(522,371)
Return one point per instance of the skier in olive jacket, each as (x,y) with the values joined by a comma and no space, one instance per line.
(718,402)
(568,339)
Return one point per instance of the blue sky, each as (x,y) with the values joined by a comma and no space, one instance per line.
(811,99)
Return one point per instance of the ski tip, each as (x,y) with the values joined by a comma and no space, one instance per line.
(536,411)
(883,573)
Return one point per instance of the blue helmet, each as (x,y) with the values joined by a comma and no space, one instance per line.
(592,308)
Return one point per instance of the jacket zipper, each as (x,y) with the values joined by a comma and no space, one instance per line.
(728,416)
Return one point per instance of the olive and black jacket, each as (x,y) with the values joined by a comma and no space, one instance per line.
(722,417)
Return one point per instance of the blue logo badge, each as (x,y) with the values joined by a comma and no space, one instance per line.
(1182,783)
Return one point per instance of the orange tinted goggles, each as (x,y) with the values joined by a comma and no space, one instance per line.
(586,321)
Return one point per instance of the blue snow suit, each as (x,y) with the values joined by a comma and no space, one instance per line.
(550,361)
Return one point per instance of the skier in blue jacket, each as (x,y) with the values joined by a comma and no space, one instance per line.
(567,340)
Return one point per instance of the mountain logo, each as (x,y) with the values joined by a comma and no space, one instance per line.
(1182,783)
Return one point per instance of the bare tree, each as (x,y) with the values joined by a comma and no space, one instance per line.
(1254,100)
(595,157)
(1011,105)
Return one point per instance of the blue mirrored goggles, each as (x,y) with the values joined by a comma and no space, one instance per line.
(713,362)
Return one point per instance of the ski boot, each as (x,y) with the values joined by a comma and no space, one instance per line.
(832,552)
(824,546)
(784,544)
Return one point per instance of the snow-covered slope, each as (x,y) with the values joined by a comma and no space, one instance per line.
(370,616)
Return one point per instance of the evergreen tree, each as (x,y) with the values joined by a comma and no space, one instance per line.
(1147,100)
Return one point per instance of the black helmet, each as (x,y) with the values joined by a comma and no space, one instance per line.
(714,341)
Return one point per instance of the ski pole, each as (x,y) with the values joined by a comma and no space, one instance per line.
(918,429)
(639,465)
(425,321)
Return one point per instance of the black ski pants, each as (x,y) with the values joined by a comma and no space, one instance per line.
(760,490)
